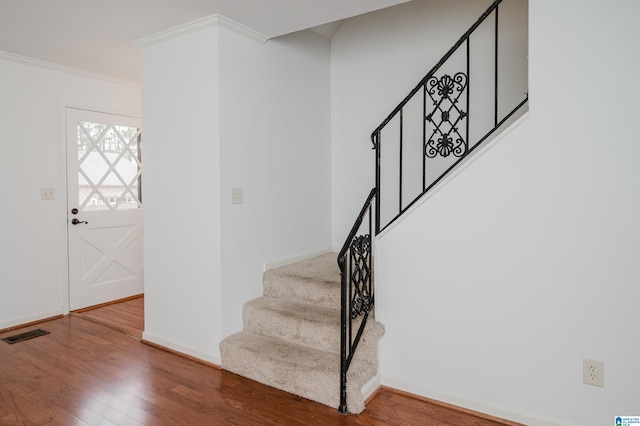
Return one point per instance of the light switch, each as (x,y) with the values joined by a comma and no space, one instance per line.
(47,193)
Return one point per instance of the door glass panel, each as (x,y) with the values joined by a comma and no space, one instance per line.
(109,167)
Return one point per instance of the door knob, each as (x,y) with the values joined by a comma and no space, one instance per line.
(75,221)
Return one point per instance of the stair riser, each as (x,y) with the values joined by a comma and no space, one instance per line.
(315,332)
(281,286)
(324,336)
(367,348)
(302,382)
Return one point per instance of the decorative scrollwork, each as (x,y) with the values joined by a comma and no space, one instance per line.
(361,275)
(445,92)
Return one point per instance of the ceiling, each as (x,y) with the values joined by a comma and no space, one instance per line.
(99,35)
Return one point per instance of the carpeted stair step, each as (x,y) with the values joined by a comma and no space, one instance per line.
(314,326)
(300,370)
(315,281)
(291,336)
(303,324)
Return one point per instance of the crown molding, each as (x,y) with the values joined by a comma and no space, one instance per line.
(328,30)
(199,24)
(67,69)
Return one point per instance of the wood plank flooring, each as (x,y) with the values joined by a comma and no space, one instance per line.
(126,316)
(84,373)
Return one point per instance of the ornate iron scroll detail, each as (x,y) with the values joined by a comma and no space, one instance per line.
(446,115)
(361,275)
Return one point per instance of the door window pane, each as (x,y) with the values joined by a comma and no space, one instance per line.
(109,167)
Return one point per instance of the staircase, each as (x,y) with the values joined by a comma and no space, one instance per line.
(314,333)
(291,336)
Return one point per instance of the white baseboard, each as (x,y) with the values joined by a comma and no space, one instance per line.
(371,386)
(475,405)
(30,318)
(180,347)
(272,264)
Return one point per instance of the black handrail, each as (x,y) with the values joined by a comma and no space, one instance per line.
(446,104)
(356,290)
(433,70)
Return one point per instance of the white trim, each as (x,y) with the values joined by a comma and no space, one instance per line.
(180,347)
(64,68)
(62,206)
(242,29)
(30,318)
(371,386)
(96,108)
(474,404)
(457,170)
(199,24)
(329,29)
(272,264)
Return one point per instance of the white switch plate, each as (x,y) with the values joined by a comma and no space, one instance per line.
(237,196)
(47,193)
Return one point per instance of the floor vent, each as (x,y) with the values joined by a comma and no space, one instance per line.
(25,336)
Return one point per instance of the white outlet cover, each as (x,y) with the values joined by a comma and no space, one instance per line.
(237,196)
(593,372)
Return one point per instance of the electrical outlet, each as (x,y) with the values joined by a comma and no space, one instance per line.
(593,372)
(237,196)
(47,194)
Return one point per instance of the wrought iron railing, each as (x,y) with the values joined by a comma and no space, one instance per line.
(444,106)
(434,120)
(356,271)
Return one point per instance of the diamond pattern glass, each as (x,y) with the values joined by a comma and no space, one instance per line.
(109,167)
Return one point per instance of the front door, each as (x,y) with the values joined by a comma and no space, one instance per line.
(104,207)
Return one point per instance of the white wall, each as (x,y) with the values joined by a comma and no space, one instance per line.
(495,289)
(182,192)
(33,280)
(275,135)
(223,110)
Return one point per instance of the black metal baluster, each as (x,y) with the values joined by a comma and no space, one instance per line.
(370,260)
(377,188)
(468,89)
(424,136)
(495,122)
(350,339)
(343,336)
(400,165)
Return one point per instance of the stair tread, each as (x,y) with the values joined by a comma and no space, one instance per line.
(296,356)
(296,310)
(285,352)
(313,326)
(323,268)
(293,368)
(314,281)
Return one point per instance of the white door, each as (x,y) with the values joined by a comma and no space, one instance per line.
(104,207)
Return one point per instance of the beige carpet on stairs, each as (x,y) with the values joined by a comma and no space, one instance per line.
(291,336)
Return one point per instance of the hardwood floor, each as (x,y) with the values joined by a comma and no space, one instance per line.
(84,373)
(126,316)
